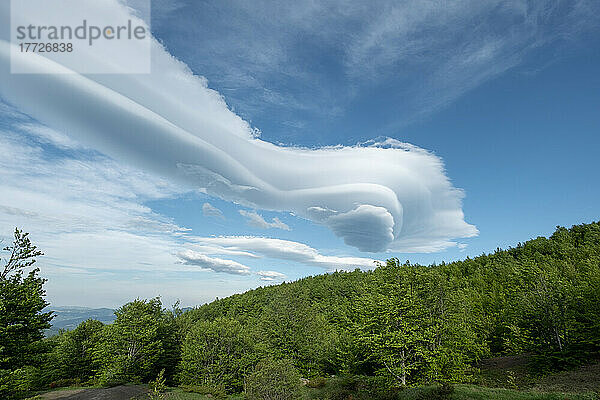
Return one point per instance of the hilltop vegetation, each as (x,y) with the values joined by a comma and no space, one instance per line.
(400,325)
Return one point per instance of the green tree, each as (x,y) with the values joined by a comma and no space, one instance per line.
(141,342)
(389,332)
(73,353)
(22,320)
(292,328)
(215,353)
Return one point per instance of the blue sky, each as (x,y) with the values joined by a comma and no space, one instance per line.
(506,94)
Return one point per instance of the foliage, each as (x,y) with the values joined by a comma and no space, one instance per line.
(217,392)
(357,387)
(64,382)
(400,331)
(215,353)
(158,387)
(22,321)
(141,342)
(274,380)
(317,382)
(438,392)
(73,353)
(414,324)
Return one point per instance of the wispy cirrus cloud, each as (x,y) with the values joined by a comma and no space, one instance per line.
(80,209)
(318,57)
(87,213)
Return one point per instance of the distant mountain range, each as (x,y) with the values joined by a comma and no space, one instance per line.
(69,317)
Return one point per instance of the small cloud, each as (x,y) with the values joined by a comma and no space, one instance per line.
(256,220)
(208,210)
(190,257)
(283,250)
(462,247)
(270,276)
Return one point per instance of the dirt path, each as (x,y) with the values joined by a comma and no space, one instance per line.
(124,392)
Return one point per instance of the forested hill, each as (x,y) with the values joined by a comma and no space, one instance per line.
(423,323)
(378,331)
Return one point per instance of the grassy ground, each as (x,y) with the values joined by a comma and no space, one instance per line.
(584,378)
(472,392)
(179,394)
(502,378)
(461,392)
(475,392)
(512,373)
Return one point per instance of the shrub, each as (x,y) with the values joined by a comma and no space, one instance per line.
(217,392)
(111,377)
(16,383)
(274,380)
(359,387)
(439,392)
(158,386)
(72,355)
(317,383)
(64,383)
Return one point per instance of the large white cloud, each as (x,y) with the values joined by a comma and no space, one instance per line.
(375,197)
(102,245)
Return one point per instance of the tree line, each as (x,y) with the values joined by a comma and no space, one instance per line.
(400,324)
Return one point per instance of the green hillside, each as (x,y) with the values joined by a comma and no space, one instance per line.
(432,323)
(512,319)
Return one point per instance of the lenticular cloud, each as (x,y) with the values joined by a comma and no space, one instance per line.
(377,197)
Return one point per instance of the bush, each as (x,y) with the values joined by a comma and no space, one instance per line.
(64,383)
(317,383)
(441,392)
(20,382)
(274,380)
(359,387)
(217,392)
(140,343)
(111,377)
(72,355)
(158,386)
